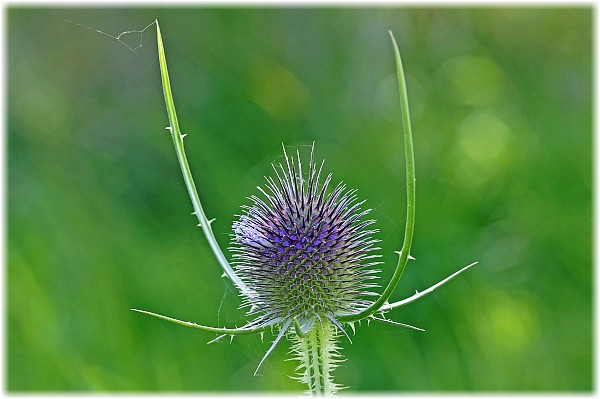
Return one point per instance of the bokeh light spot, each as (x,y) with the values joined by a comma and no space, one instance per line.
(512,323)
(483,144)
(279,92)
(475,80)
(43,112)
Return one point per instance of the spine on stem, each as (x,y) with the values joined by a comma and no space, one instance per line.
(318,355)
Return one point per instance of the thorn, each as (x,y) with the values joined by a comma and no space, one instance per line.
(338,325)
(231,338)
(223,275)
(216,339)
(400,254)
(351,324)
(209,222)
(169,128)
(395,323)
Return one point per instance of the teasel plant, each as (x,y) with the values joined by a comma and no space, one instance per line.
(303,255)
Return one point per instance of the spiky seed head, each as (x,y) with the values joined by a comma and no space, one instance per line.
(303,252)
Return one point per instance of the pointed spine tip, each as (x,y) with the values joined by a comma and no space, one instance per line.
(392,36)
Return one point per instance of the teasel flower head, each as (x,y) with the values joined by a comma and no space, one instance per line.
(304,253)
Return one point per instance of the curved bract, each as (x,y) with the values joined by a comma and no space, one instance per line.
(410,195)
(250,328)
(177,138)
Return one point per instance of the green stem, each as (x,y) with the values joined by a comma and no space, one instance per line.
(177,137)
(317,369)
(410,194)
(317,355)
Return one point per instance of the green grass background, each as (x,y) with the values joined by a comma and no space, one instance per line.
(99,220)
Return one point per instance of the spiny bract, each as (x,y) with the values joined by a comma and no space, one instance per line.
(303,253)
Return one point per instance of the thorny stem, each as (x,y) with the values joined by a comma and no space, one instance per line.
(177,137)
(410,194)
(317,354)
(316,368)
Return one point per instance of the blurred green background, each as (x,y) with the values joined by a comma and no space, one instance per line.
(99,220)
